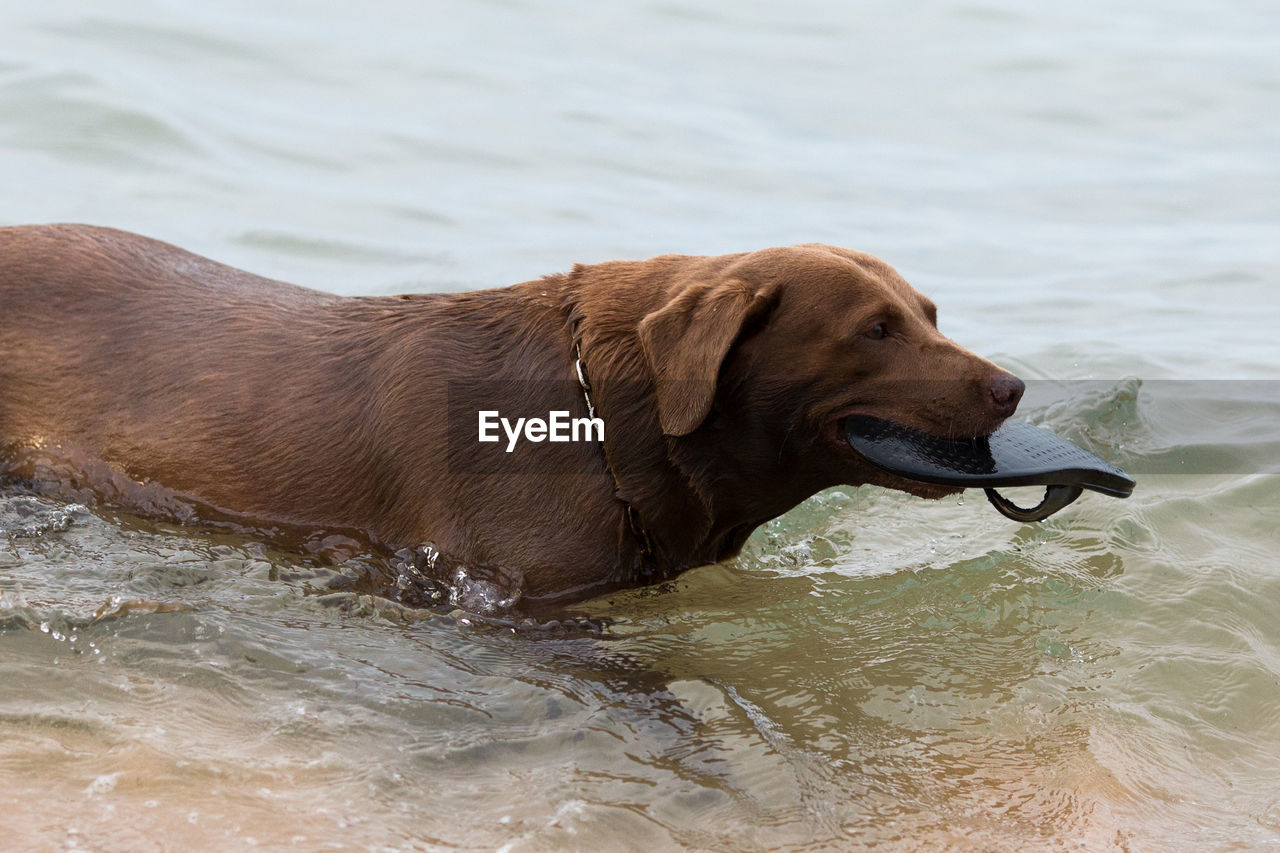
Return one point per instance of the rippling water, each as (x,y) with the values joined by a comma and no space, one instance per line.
(1089,192)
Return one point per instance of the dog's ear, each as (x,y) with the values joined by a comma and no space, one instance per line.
(686,341)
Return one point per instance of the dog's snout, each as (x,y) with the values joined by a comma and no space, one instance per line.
(1006,391)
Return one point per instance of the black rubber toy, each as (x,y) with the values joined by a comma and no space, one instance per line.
(1017,454)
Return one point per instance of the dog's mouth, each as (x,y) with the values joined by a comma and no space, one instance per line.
(952,427)
(834,425)
(833,432)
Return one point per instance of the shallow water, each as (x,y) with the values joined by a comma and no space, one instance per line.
(1089,192)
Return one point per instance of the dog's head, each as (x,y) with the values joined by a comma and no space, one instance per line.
(761,356)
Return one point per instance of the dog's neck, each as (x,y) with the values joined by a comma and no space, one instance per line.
(644,544)
(667,506)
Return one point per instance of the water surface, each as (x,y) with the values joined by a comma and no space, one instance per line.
(1088,192)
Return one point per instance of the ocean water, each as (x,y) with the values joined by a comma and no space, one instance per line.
(1091,193)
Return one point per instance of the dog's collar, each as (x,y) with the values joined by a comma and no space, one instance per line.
(638,531)
(582,380)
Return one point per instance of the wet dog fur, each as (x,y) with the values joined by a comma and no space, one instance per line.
(722,382)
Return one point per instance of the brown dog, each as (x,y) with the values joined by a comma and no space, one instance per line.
(721,383)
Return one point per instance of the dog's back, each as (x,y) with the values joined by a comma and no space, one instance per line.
(118,347)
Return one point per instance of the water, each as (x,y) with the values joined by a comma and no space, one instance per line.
(1088,191)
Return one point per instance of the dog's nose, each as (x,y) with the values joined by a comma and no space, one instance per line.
(1006,390)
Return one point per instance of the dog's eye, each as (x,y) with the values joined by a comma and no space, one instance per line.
(877,332)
